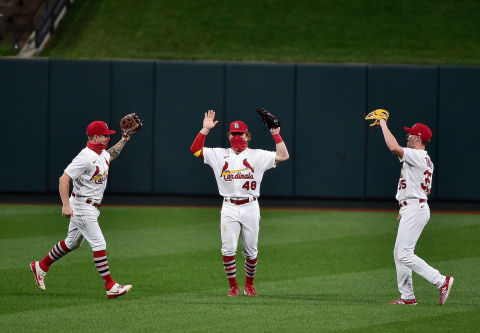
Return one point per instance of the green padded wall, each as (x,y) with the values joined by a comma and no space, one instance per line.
(133,89)
(184,92)
(459,134)
(334,154)
(330,131)
(24,107)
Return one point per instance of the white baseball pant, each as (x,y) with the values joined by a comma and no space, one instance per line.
(414,217)
(83,227)
(240,220)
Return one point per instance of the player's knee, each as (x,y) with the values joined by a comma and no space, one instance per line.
(100,246)
(228,252)
(73,244)
(250,253)
(405,256)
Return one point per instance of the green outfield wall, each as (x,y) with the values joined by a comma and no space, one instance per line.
(47,104)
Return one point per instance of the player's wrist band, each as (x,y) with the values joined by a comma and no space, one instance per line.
(277,138)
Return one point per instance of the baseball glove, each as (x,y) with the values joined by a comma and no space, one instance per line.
(268,119)
(130,124)
(376,115)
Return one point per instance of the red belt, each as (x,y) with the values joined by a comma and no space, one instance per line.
(404,203)
(240,202)
(88,201)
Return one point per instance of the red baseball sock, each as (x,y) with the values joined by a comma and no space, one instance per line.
(230,269)
(250,270)
(101,263)
(58,251)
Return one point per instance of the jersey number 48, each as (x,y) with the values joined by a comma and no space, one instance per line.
(250,185)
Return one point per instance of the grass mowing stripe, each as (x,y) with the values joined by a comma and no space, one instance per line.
(317,271)
(307,302)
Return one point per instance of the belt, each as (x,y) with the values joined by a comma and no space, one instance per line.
(405,203)
(88,201)
(240,201)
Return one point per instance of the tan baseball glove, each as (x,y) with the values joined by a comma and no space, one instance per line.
(376,115)
(130,124)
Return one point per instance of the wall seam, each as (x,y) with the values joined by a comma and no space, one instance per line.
(365,152)
(154,106)
(437,139)
(49,98)
(294,127)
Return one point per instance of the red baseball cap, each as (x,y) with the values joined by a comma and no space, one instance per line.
(238,126)
(422,130)
(98,127)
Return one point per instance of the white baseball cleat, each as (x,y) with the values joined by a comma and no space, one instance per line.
(118,290)
(39,274)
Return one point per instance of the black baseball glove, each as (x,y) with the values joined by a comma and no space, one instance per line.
(268,119)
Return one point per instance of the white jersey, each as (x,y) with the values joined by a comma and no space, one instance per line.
(89,172)
(239,175)
(416,175)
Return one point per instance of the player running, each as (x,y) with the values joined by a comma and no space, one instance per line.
(414,186)
(239,171)
(89,173)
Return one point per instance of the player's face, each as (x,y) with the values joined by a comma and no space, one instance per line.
(243,135)
(101,139)
(412,140)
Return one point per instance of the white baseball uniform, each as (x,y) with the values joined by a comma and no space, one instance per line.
(414,184)
(238,178)
(89,173)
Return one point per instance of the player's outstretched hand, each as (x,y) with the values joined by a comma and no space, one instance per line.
(67,212)
(208,121)
(274,131)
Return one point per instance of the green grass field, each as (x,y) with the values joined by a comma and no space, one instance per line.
(318,271)
(370,31)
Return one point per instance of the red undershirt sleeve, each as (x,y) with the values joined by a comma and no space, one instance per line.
(197,145)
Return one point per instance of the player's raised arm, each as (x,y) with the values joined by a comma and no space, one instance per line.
(64,189)
(281,148)
(117,148)
(209,122)
(390,140)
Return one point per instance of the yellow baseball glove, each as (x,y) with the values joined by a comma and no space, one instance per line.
(376,115)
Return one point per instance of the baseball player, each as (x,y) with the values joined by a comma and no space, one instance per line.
(89,173)
(414,186)
(239,171)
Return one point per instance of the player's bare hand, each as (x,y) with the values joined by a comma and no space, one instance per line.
(125,136)
(399,217)
(209,121)
(274,131)
(67,212)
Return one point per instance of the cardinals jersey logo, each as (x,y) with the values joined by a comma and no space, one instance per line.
(236,174)
(98,177)
(245,162)
(225,167)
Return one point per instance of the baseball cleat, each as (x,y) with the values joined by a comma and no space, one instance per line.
(445,289)
(233,291)
(250,290)
(118,290)
(402,301)
(39,274)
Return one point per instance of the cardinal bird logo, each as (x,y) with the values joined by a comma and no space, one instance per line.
(97,171)
(225,167)
(245,162)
